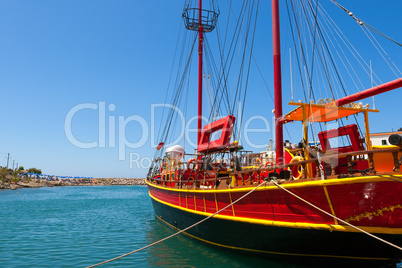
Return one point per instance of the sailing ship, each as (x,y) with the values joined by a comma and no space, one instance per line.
(316,199)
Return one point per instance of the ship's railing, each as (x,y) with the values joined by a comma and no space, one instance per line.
(232,157)
(197,171)
(374,158)
(250,176)
(194,183)
(253,159)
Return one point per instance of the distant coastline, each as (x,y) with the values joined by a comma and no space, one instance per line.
(35,182)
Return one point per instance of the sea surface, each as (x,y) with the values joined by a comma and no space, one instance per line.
(82,226)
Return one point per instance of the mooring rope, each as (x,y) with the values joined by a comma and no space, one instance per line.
(179,232)
(397,179)
(329,214)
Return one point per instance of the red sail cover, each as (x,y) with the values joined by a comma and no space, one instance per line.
(226,126)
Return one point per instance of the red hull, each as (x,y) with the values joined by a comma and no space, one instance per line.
(365,201)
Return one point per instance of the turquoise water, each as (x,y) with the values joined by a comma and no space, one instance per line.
(81,226)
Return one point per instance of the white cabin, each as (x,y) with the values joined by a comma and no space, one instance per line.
(378,139)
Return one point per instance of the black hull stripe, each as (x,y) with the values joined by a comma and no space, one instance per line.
(264,239)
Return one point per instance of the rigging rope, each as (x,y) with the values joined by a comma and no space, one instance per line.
(349,45)
(176,97)
(324,53)
(227,64)
(234,202)
(181,231)
(383,52)
(170,78)
(221,53)
(249,65)
(362,23)
(329,29)
(329,214)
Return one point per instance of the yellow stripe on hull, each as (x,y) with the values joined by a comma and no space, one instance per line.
(306,184)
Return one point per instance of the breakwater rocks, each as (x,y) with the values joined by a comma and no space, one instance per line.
(121,181)
(35,183)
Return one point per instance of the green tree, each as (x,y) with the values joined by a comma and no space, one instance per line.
(21,168)
(3,173)
(35,170)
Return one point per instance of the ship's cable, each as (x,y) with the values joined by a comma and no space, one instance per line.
(340,220)
(362,23)
(181,231)
(391,177)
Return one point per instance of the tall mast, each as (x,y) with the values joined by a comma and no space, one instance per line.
(277,82)
(200,52)
(202,21)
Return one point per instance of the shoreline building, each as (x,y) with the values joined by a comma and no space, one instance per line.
(378,139)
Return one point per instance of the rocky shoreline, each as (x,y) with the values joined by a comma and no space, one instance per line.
(35,183)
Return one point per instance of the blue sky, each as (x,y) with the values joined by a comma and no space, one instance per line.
(56,55)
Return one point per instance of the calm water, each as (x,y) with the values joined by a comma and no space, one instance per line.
(81,226)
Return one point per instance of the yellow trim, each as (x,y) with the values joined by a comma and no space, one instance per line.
(233,181)
(378,212)
(305,139)
(384,146)
(297,225)
(386,133)
(330,204)
(230,197)
(271,252)
(205,205)
(216,202)
(195,203)
(367,129)
(293,185)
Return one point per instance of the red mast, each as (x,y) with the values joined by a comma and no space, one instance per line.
(370,92)
(277,83)
(200,52)
(202,21)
